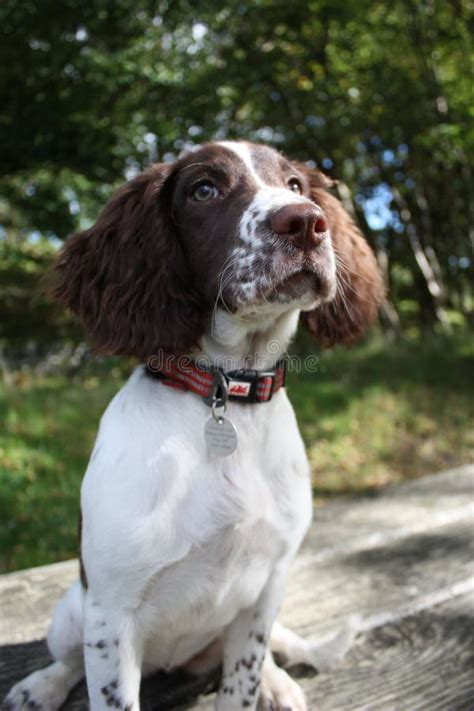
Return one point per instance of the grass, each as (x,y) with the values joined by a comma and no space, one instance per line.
(376,414)
(386,412)
(49,428)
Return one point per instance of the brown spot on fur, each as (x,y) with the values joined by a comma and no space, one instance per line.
(101,644)
(82,570)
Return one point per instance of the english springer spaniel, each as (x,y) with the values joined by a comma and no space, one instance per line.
(197,495)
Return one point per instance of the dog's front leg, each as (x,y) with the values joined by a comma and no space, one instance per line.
(113,654)
(245,645)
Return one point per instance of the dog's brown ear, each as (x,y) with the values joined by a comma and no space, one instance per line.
(126,276)
(360,289)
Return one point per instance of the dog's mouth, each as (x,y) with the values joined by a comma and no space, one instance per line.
(300,280)
(310,279)
(296,285)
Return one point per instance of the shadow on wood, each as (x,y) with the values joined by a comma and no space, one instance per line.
(163,691)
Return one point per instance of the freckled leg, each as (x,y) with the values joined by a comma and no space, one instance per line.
(245,643)
(113,654)
(244,651)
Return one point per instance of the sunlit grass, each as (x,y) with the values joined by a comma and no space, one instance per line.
(372,415)
(386,412)
(49,426)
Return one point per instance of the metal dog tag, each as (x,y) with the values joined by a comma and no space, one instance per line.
(221,436)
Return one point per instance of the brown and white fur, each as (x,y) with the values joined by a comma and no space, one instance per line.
(185,555)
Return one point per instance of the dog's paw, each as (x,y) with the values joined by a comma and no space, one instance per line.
(324,655)
(44,690)
(293,650)
(22,698)
(279,692)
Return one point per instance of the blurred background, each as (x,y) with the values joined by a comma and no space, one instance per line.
(378,95)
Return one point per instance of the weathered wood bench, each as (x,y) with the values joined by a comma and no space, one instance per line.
(402,559)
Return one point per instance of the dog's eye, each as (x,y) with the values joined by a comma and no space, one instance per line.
(295,185)
(204,191)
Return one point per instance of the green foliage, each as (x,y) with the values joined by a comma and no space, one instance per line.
(380,413)
(378,94)
(27,317)
(386,412)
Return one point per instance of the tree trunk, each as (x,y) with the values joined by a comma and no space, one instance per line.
(433,284)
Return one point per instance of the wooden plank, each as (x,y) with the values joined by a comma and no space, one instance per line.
(421,556)
(27,599)
(383,583)
(392,513)
(423,662)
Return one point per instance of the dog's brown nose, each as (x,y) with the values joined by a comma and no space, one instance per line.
(303,224)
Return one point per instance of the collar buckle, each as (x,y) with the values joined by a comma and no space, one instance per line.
(244,385)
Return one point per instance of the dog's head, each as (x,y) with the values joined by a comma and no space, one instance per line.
(231,224)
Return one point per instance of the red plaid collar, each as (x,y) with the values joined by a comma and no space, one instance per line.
(245,386)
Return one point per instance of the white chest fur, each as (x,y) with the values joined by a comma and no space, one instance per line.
(194,536)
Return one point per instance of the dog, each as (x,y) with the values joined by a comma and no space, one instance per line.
(197,494)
